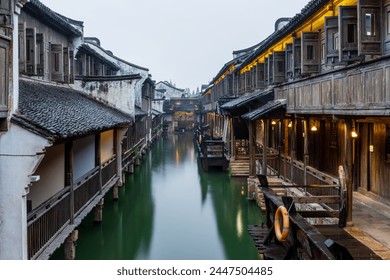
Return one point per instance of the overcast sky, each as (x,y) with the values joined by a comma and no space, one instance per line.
(183,41)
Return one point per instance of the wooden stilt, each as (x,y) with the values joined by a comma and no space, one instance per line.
(115,192)
(70,245)
(99,211)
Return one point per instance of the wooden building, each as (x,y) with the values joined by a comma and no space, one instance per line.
(328,71)
(68,130)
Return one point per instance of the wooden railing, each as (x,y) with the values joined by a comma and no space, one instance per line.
(213,148)
(86,189)
(46,221)
(156,131)
(242,147)
(313,200)
(129,156)
(108,171)
(298,172)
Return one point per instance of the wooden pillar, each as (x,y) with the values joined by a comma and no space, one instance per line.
(131,168)
(97,161)
(70,245)
(69,177)
(252,148)
(99,211)
(265,144)
(348,167)
(118,151)
(115,192)
(306,149)
(232,140)
(293,147)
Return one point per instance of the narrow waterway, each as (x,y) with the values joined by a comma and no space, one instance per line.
(170,209)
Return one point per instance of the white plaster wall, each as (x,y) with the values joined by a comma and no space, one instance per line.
(19,158)
(106,145)
(126,69)
(83,156)
(52,176)
(169,91)
(119,94)
(158,105)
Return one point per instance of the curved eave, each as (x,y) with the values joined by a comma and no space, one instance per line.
(311,8)
(45,14)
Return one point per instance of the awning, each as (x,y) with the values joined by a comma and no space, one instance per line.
(246,99)
(139,113)
(270,107)
(220,102)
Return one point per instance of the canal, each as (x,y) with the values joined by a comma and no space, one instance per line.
(170,209)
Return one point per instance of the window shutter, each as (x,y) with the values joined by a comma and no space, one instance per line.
(271,69)
(5,5)
(297,63)
(22,47)
(370,27)
(289,61)
(279,67)
(57,65)
(4,77)
(71,67)
(31,51)
(260,76)
(332,40)
(386,25)
(266,77)
(40,54)
(348,50)
(46,61)
(310,54)
(66,64)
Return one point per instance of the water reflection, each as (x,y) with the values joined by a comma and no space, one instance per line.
(170,209)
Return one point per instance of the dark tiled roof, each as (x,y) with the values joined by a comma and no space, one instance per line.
(312,7)
(269,107)
(169,85)
(62,23)
(96,42)
(139,113)
(156,112)
(221,101)
(245,99)
(57,112)
(87,49)
(109,78)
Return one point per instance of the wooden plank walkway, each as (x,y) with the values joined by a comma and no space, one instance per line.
(358,250)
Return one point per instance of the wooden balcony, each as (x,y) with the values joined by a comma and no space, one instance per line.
(359,89)
(46,223)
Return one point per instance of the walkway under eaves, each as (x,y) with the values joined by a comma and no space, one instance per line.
(371,224)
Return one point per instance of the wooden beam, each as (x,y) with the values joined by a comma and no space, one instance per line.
(316,199)
(319,214)
(313,186)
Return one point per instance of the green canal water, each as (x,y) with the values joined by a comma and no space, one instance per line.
(170,209)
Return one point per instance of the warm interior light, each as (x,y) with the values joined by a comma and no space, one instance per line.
(290,124)
(314,128)
(273,122)
(354,134)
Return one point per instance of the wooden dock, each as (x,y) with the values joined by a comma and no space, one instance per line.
(316,218)
(331,233)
